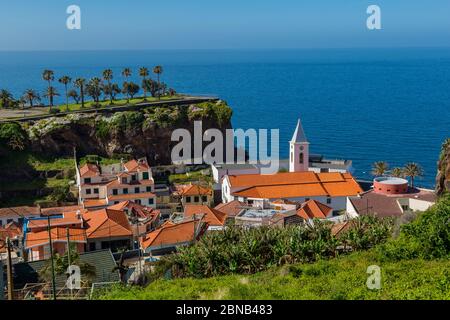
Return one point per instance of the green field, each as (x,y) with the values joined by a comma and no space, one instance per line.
(337,279)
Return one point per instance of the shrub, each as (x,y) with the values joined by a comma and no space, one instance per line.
(13,135)
(428,237)
(244,251)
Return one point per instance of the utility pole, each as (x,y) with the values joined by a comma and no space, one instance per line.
(9,272)
(68,257)
(51,255)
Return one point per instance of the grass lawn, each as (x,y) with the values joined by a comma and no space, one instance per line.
(116,103)
(188,177)
(337,279)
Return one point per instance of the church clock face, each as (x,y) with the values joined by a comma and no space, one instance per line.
(301,148)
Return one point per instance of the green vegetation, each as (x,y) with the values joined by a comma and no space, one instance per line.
(261,264)
(336,279)
(187,177)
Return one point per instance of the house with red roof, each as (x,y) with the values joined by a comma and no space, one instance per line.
(103,186)
(216,219)
(170,236)
(194,194)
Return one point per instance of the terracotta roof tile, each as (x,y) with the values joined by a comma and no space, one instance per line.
(89,170)
(231,209)
(212,216)
(313,209)
(106,223)
(131,196)
(59,234)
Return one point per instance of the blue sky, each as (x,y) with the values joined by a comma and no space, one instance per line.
(215,24)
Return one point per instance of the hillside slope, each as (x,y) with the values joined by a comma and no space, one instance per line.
(342,278)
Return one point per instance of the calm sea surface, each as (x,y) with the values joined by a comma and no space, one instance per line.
(360,104)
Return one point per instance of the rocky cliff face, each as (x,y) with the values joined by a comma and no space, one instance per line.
(443,175)
(139,133)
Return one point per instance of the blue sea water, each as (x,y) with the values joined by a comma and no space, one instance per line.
(361,104)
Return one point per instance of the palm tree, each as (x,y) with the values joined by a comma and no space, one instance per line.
(6,98)
(158,70)
(50,93)
(65,80)
(379,168)
(126,73)
(108,76)
(49,76)
(30,95)
(94,89)
(80,83)
(111,90)
(74,95)
(143,72)
(413,170)
(397,172)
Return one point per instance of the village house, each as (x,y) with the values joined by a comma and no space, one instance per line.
(231,209)
(86,230)
(216,219)
(390,197)
(194,194)
(17,214)
(102,186)
(170,235)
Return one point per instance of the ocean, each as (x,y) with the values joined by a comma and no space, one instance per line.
(366,105)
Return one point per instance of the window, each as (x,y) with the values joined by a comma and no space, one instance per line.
(307,199)
(136,190)
(21,220)
(151,201)
(133,177)
(204,198)
(188,199)
(328,200)
(88,191)
(87,180)
(149,189)
(115,192)
(292,156)
(196,199)
(116,202)
(1,223)
(301,158)
(138,201)
(9,221)
(145,175)
(125,191)
(92,246)
(124,180)
(95,190)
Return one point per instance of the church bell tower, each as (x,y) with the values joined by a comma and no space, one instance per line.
(298,150)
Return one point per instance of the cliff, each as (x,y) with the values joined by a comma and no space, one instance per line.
(140,133)
(443,175)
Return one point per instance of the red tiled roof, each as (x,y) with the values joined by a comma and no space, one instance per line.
(212,216)
(131,196)
(89,170)
(59,210)
(91,203)
(59,234)
(231,209)
(67,219)
(134,165)
(313,209)
(106,223)
(140,210)
(172,234)
(19,211)
(193,190)
(296,184)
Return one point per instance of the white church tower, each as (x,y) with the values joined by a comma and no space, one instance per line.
(299,150)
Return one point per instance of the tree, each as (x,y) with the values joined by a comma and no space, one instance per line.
(130,89)
(65,80)
(379,168)
(126,73)
(397,172)
(6,98)
(74,95)
(50,93)
(108,76)
(111,90)
(143,72)
(94,89)
(30,96)
(158,70)
(87,270)
(48,75)
(413,170)
(80,83)
(150,86)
